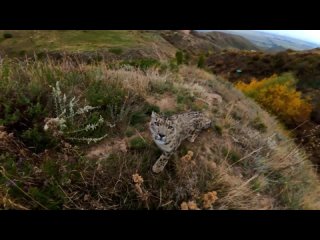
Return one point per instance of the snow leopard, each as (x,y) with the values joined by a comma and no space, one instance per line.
(169,132)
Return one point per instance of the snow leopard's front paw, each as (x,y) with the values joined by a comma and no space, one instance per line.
(160,164)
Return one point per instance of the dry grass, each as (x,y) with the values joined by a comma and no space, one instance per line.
(231,166)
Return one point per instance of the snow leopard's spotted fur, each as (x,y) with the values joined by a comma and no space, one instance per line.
(169,132)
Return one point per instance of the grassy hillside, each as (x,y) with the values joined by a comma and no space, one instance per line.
(229,41)
(246,66)
(305,65)
(95,151)
(156,44)
(19,42)
(198,43)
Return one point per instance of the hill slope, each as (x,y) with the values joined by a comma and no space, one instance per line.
(258,65)
(199,43)
(245,161)
(117,44)
(230,41)
(112,43)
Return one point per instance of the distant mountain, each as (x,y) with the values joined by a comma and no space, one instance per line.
(227,41)
(272,42)
(199,42)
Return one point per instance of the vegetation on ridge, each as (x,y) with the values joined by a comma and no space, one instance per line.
(238,164)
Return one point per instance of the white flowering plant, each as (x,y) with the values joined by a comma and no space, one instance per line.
(69,118)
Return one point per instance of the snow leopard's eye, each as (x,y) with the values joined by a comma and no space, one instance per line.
(170,127)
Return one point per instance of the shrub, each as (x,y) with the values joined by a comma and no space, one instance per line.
(142,113)
(129,132)
(22,52)
(279,61)
(179,57)
(161,87)
(149,108)
(111,97)
(256,58)
(50,196)
(169,113)
(218,129)
(184,97)
(7,35)
(138,118)
(70,121)
(137,143)
(236,116)
(37,139)
(278,95)
(22,111)
(259,125)
(231,154)
(186,58)
(173,66)
(102,94)
(315,115)
(117,51)
(142,64)
(201,62)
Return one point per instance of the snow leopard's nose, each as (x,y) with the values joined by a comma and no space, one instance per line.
(161,135)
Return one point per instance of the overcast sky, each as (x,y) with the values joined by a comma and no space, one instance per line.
(307,35)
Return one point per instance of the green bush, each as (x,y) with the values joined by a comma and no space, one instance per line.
(117,51)
(186,58)
(232,155)
(161,87)
(279,60)
(7,35)
(106,95)
(138,118)
(22,52)
(179,57)
(236,116)
(137,143)
(218,129)
(169,113)
(22,111)
(173,66)
(149,108)
(259,125)
(37,139)
(256,58)
(50,196)
(184,97)
(129,132)
(201,62)
(8,161)
(142,64)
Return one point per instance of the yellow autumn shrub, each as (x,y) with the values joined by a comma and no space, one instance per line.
(278,95)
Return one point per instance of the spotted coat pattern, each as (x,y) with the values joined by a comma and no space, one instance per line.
(169,132)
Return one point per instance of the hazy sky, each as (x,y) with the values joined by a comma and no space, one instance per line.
(307,35)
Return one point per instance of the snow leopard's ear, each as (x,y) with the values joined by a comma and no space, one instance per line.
(154,114)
